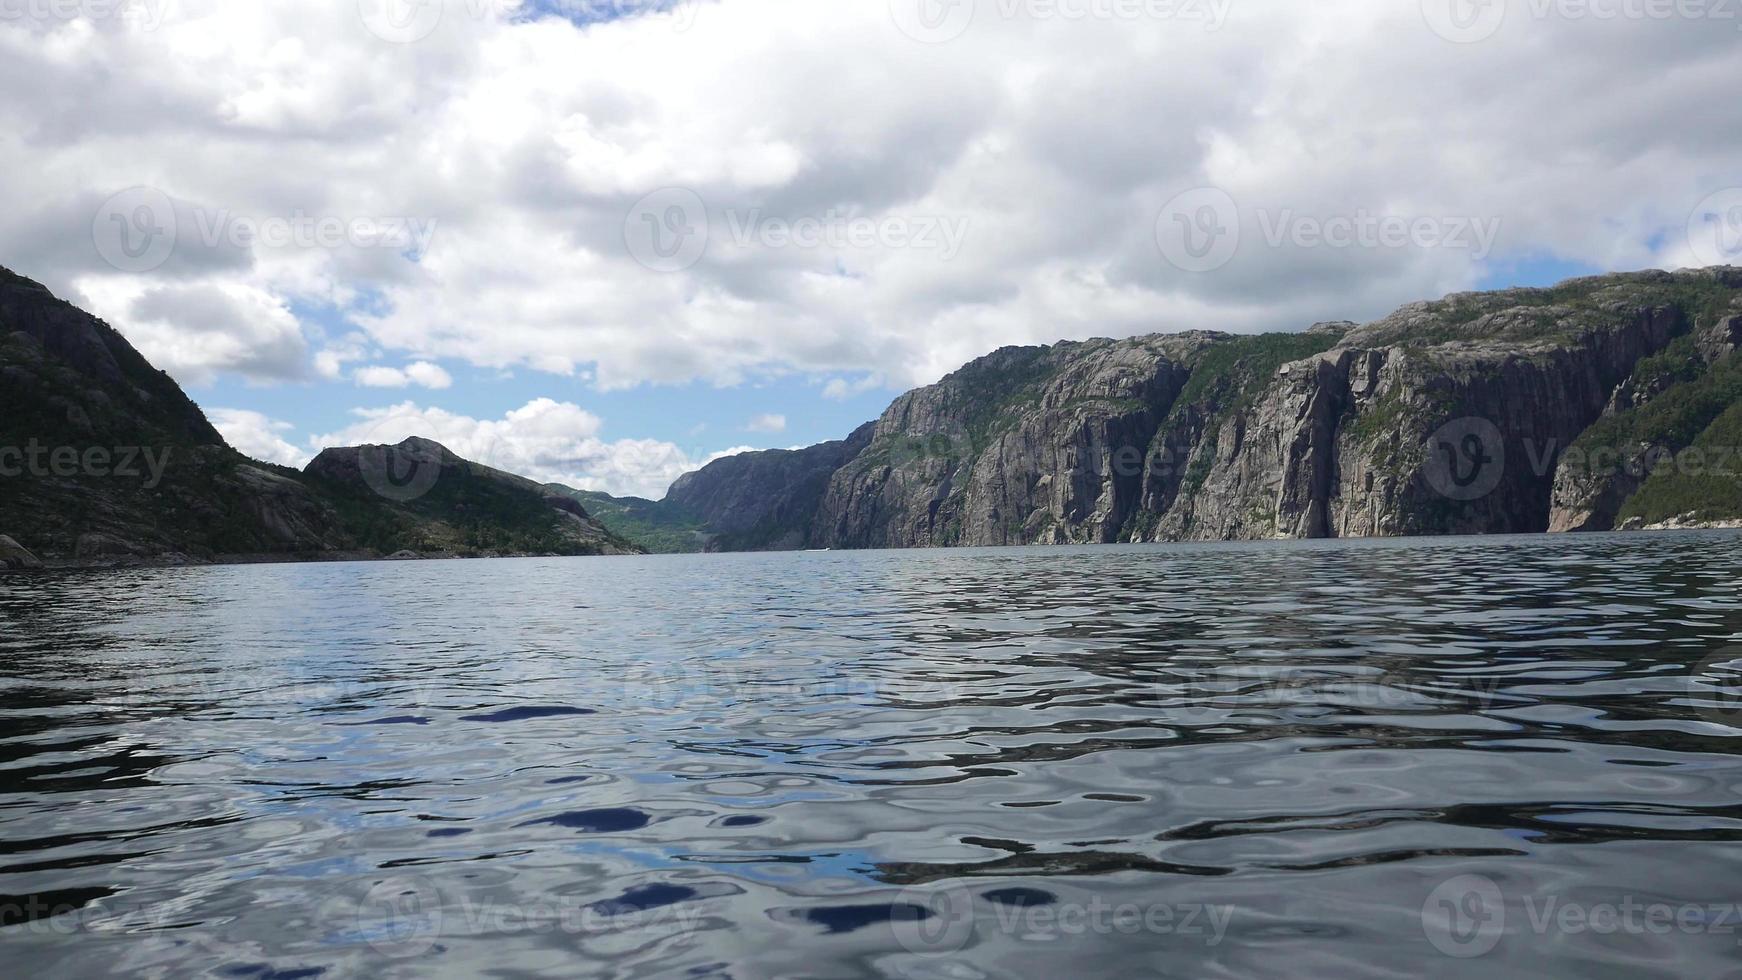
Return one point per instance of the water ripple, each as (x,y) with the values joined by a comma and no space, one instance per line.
(1348,758)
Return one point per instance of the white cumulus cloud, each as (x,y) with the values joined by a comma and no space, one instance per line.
(854,201)
(421,373)
(259,436)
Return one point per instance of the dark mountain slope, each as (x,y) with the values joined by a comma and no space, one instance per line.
(103,457)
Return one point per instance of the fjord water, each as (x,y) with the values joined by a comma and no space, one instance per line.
(1381,758)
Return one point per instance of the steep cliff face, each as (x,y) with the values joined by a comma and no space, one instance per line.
(1026,445)
(761,501)
(1388,435)
(103,456)
(1672,403)
(1478,413)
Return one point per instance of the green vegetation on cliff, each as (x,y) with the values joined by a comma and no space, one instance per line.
(1703,480)
(658,527)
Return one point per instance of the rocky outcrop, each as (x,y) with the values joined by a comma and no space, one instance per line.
(1660,411)
(442,503)
(1724,338)
(761,501)
(15,556)
(1026,445)
(1478,413)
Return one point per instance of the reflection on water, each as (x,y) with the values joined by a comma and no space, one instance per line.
(1472,757)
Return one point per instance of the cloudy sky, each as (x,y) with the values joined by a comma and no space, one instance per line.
(602,241)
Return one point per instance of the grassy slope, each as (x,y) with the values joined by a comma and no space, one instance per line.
(654,525)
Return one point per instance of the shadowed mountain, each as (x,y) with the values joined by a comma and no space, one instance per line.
(104,458)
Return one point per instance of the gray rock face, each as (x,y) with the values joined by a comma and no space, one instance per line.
(1026,445)
(761,501)
(1722,339)
(1656,413)
(1446,417)
(105,546)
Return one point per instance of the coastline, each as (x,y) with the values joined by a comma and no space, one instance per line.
(112,563)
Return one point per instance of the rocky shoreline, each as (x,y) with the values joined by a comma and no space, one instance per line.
(1610,402)
(53,566)
(32,564)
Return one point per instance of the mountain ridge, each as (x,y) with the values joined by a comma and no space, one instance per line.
(105,460)
(1577,407)
(1337,431)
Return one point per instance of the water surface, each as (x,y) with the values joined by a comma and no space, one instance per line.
(1508,756)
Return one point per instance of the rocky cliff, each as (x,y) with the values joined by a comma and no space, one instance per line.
(103,458)
(762,501)
(1512,411)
